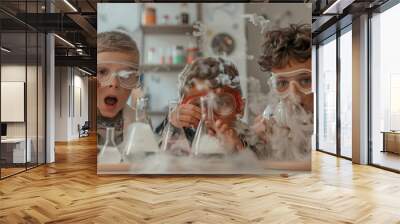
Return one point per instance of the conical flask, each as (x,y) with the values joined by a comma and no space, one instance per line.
(205,145)
(174,139)
(109,152)
(141,141)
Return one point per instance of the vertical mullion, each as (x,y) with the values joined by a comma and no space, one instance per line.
(0,97)
(317,96)
(26,87)
(338,98)
(369,81)
(47,5)
(37,89)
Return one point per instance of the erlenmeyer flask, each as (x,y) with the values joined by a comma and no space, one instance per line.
(205,145)
(109,152)
(141,141)
(174,139)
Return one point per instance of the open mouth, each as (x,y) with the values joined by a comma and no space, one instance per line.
(110,100)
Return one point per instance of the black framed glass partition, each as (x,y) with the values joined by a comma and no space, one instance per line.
(23,88)
(334,94)
(384,114)
(326,111)
(345,93)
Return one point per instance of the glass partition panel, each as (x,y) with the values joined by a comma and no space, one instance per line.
(31,98)
(385,89)
(41,79)
(14,151)
(327,96)
(346,94)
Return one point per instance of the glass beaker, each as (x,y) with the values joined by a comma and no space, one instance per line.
(205,145)
(174,139)
(141,141)
(109,152)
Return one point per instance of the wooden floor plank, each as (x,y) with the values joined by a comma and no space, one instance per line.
(69,191)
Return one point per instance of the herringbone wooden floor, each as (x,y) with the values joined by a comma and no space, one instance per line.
(69,191)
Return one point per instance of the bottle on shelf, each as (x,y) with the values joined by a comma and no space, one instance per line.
(184,16)
(149,16)
(169,56)
(178,55)
(166,20)
(151,56)
(162,56)
(192,54)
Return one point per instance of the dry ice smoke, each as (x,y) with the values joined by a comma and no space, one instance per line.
(164,162)
(258,21)
(186,79)
(147,158)
(257,99)
(199,29)
(289,130)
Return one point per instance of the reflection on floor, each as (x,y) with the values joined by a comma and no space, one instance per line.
(10,171)
(70,191)
(14,169)
(387,159)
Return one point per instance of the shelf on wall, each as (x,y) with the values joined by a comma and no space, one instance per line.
(168,29)
(162,67)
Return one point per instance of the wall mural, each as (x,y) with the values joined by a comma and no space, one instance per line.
(177,100)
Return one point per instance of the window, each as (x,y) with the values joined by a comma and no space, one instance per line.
(385,89)
(327,96)
(22,77)
(346,93)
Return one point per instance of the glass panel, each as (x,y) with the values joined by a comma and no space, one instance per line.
(346,94)
(314,87)
(327,97)
(31,98)
(385,84)
(13,85)
(41,99)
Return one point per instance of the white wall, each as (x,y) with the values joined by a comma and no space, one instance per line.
(68,82)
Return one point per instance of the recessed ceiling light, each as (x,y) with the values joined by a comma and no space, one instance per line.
(86,72)
(337,7)
(5,50)
(64,40)
(70,5)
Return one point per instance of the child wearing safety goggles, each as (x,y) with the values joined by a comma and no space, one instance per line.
(219,80)
(286,126)
(117,77)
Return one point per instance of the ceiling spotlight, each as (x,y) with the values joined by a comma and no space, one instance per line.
(5,50)
(70,5)
(84,71)
(337,7)
(65,41)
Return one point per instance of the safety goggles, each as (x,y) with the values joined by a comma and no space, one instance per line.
(223,102)
(300,78)
(128,77)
